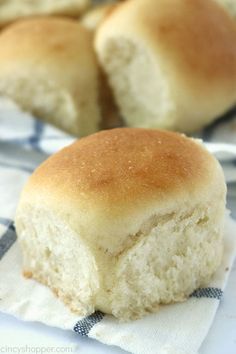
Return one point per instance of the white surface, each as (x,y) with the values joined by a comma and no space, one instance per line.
(13,333)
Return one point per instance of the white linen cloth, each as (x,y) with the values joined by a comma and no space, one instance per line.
(175,329)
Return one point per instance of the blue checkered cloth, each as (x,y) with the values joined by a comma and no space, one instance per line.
(179,329)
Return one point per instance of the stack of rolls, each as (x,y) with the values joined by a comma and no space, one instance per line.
(127,219)
(156,64)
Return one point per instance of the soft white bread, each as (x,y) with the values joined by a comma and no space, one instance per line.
(96,15)
(12,10)
(229,6)
(48,67)
(171,63)
(124,220)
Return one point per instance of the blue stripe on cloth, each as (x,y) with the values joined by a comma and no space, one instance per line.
(24,141)
(20,141)
(84,326)
(17,167)
(227,117)
(213,293)
(35,139)
(5,221)
(8,238)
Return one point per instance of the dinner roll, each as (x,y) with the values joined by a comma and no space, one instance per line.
(124,220)
(11,10)
(48,67)
(171,63)
(229,5)
(96,15)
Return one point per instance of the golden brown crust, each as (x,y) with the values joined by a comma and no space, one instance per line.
(192,41)
(55,36)
(183,37)
(122,166)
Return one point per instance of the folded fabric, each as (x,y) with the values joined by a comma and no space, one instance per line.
(175,329)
